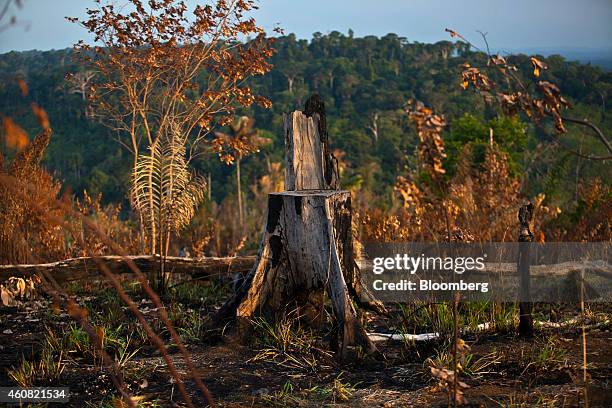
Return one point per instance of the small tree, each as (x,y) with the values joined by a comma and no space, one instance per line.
(242,140)
(163,73)
(80,84)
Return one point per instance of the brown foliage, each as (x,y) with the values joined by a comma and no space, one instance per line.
(15,136)
(216,230)
(22,228)
(448,380)
(515,96)
(431,146)
(477,204)
(108,222)
(377,225)
(481,204)
(26,233)
(485,200)
(591,219)
(243,140)
(166,71)
(159,65)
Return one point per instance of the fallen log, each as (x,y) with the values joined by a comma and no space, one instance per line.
(574,322)
(87,267)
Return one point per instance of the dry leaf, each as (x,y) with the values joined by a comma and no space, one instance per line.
(21,287)
(41,115)
(6,296)
(537,66)
(100,332)
(23,87)
(16,137)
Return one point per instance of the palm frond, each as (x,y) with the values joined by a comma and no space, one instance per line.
(164,191)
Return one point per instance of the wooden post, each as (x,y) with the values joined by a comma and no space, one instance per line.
(525,238)
(307,244)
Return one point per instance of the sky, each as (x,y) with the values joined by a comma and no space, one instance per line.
(510,24)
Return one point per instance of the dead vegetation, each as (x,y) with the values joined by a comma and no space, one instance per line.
(116,342)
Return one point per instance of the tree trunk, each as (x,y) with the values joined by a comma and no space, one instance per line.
(239,191)
(307,244)
(290,81)
(310,164)
(525,238)
(307,248)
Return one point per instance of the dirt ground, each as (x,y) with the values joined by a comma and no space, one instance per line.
(503,370)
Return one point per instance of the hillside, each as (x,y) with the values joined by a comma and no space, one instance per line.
(365,83)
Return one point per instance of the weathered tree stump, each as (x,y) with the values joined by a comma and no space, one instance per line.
(307,244)
(310,165)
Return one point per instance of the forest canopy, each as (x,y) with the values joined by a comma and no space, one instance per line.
(365,83)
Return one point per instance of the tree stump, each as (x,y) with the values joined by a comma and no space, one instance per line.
(310,165)
(307,244)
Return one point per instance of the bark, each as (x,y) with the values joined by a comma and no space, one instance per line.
(307,248)
(310,164)
(86,267)
(239,192)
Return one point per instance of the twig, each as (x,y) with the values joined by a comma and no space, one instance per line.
(590,125)
(484,37)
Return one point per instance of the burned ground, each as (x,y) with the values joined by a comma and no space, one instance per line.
(284,364)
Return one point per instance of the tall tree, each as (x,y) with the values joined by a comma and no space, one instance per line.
(242,140)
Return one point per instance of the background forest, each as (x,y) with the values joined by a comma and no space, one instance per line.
(365,83)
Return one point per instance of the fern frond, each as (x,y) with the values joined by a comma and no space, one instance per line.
(164,191)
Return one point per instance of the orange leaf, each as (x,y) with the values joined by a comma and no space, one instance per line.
(101,333)
(541,237)
(41,115)
(537,66)
(15,136)
(23,87)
